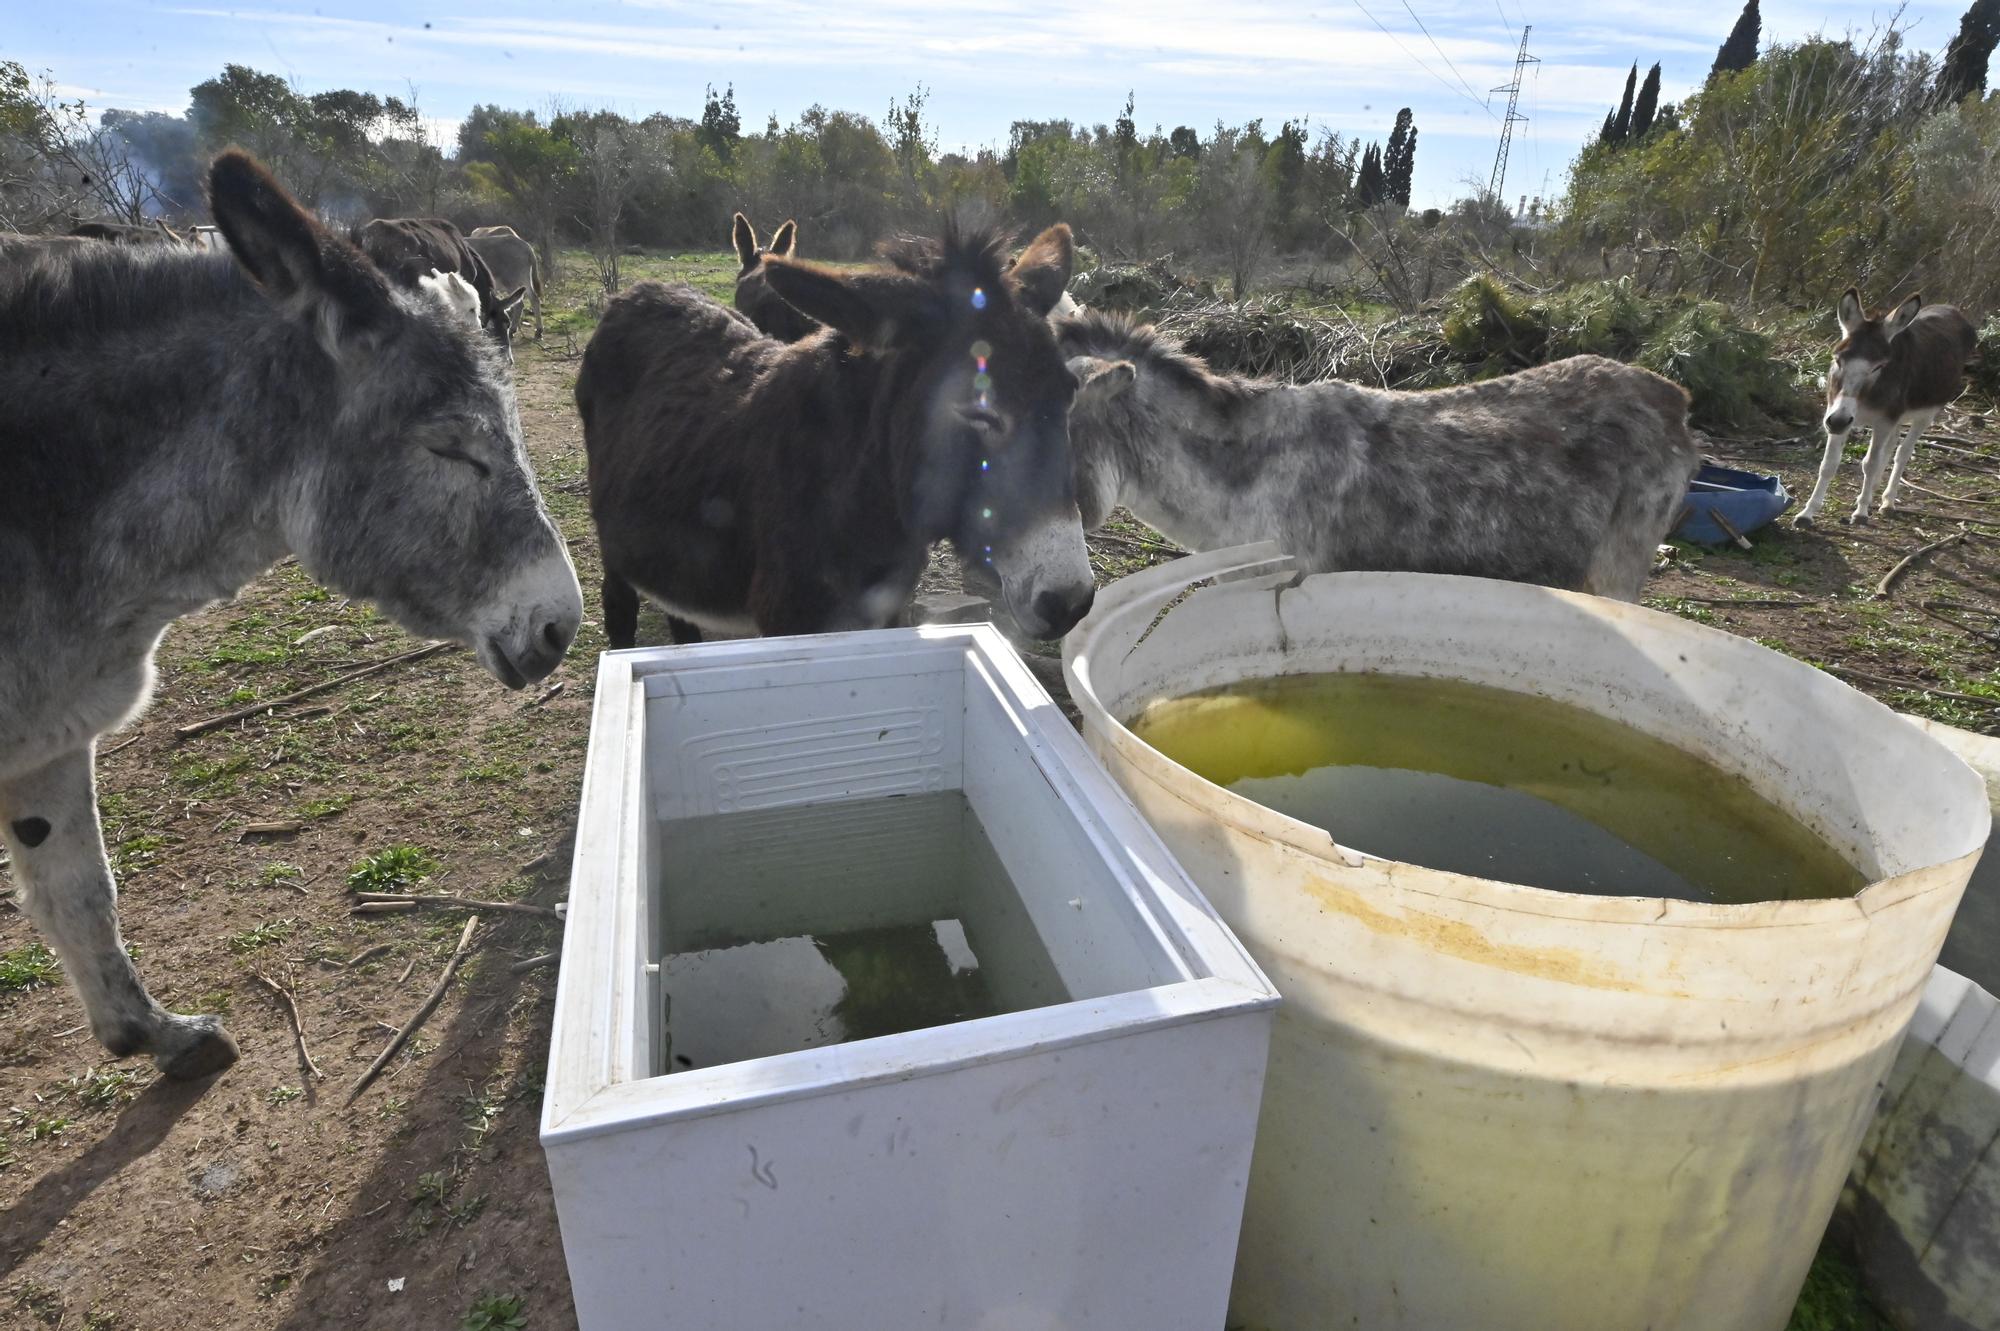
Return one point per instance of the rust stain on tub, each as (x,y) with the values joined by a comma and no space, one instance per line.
(1454,938)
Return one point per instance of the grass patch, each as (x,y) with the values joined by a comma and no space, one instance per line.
(394,869)
(325,808)
(101,1088)
(252,940)
(496,1312)
(1833,1299)
(28,967)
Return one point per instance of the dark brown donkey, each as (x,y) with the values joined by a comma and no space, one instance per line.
(1891,374)
(748,484)
(754,296)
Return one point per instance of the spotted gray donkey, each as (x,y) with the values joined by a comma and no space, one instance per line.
(173,422)
(1568,475)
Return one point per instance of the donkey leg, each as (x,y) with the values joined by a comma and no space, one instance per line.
(49,817)
(1881,444)
(682,632)
(1917,425)
(1829,467)
(621,611)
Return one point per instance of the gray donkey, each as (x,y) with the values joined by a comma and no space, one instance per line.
(1567,475)
(172,423)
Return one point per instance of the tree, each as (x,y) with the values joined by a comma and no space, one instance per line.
(1610,124)
(721,127)
(1646,110)
(1400,162)
(1621,126)
(913,143)
(1963,73)
(1232,201)
(67,166)
(1185,142)
(1739,52)
(533,168)
(606,170)
(1370,187)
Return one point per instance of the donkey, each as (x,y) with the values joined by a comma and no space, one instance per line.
(1567,475)
(514,263)
(1891,375)
(749,484)
(408,249)
(755,296)
(172,423)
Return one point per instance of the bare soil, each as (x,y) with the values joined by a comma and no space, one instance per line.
(259,1200)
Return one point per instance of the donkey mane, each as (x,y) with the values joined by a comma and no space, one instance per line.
(1119,337)
(78,294)
(978,254)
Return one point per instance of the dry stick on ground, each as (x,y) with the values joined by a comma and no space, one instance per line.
(1912,559)
(1729,529)
(120,746)
(286,828)
(1929,608)
(1762,603)
(1908,685)
(553,691)
(194,728)
(438,901)
(527,964)
(1949,499)
(404,977)
(1963,519)
(422,1013)
(368,954)
(285,999)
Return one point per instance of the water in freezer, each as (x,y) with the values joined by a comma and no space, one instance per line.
(1502,785)
(793,928)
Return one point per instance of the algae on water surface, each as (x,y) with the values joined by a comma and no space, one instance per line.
(1483,781)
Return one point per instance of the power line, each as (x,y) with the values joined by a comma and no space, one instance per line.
(1447,83)
(1440,50)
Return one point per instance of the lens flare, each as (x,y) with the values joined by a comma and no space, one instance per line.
(979,298)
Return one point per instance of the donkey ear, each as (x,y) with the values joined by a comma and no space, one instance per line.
(745,237)
(1100,381)
(875,309)
(786,242)
(1042,271)
(302,265)
(1851,316)
(1905,312)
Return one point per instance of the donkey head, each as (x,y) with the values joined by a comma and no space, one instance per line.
(754,296)
(979,404)
(415,491)
(784,243)
(1867,339)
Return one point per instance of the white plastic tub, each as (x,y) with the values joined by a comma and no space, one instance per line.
(1077,1163)
(1501,1107)
(1922,1206)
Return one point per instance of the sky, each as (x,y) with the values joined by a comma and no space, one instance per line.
(1347,66)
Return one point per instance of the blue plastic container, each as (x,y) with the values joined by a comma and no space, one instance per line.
(1747,501)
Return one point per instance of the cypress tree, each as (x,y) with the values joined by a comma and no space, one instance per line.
(1621,128)
(1369,186)
(1740,51)
(1400,161)
(1646,109)
(1610,123)
(1963,73)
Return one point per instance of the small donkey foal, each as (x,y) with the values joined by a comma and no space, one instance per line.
(1891,374)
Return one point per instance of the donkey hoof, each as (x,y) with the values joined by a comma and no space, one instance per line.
(1804,522)
(203,1050)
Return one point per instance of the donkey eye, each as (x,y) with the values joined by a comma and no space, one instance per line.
(459,455)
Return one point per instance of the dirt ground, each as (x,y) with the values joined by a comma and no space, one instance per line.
(260,1199)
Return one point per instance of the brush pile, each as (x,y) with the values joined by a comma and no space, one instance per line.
(1738,378)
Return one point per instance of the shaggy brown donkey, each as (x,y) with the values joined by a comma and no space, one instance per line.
(754,296)
(748,484)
